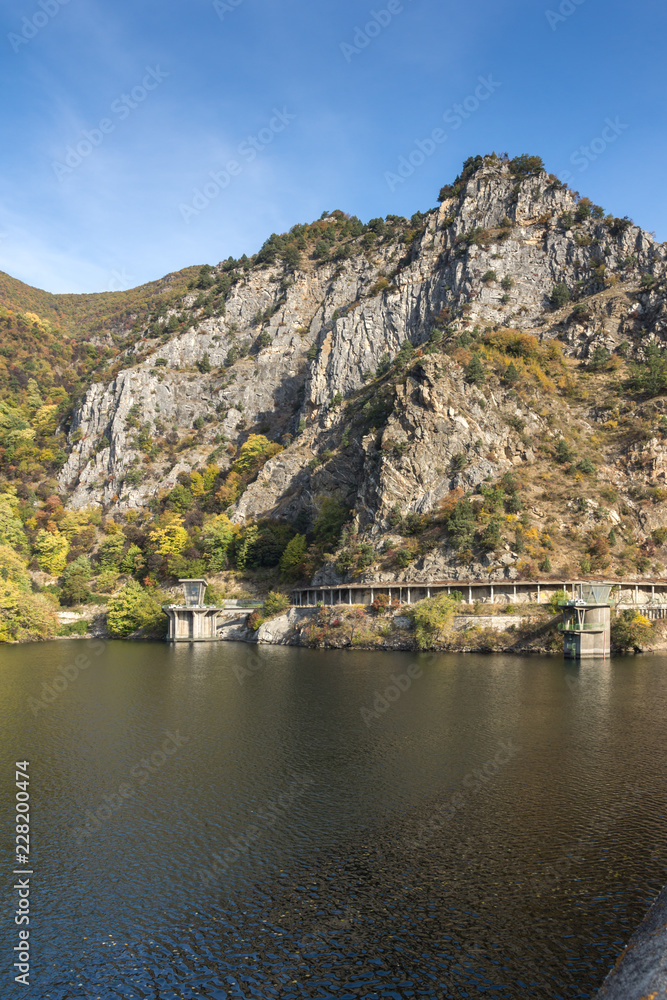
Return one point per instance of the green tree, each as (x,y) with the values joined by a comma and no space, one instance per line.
(432,619)
(133,561)
(292,559)
(11,528)
(329,521)
(513,504)
(14,569)
(490,537)
(405,354)
(384,366)
(461,525)
(205,365)
(292,256)
(245,544)
(132,609)
(275,604)
(650,376)
(474,371)
(599,358)
(630,630)
(24,616)
(556,599)
(76,577)
(511,376)
(560,295)
(180,499)
(111,550)
(564,453)
(526,165)
(205,279)
(216,539)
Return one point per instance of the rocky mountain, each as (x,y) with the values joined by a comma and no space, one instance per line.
(477,389)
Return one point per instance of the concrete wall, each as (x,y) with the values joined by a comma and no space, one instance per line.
(499,623)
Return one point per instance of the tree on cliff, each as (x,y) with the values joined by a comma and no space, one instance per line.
(475,373)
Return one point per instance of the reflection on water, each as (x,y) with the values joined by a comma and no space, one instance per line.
(224,821)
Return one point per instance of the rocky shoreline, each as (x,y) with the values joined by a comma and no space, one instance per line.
(343,628)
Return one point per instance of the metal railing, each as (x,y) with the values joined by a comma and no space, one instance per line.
(587,627)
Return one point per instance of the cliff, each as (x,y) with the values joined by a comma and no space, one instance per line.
(404,367)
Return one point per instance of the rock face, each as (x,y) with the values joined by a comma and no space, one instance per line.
(488,258)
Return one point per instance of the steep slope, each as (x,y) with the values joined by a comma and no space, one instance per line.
(99,315)
(478,390)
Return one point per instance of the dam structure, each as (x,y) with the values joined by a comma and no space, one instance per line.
(192,621)
(586,624)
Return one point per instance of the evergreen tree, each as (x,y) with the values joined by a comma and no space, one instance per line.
(560,295)
(511,374)
(292,256)
(475,373)
(514,505)
(564,453)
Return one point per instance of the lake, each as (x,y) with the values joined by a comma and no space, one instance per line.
(230,821)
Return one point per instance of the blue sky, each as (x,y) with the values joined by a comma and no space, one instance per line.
(294,112)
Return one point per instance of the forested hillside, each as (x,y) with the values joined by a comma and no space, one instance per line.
(476,391)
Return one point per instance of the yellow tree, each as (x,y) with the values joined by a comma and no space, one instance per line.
(51,548)
(169,538)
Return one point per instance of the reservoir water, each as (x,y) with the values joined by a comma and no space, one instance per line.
(225,821)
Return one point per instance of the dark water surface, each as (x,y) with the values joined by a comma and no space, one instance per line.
(497,829)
